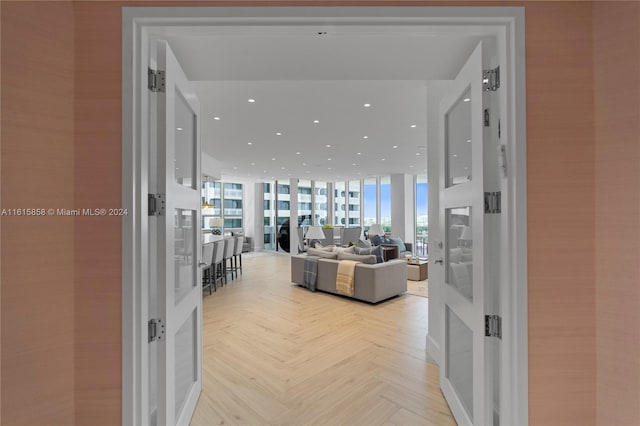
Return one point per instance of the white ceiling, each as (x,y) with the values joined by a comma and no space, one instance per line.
(297,79)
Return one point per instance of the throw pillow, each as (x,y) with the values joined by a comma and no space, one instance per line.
(348,250)
(363,244)
(376,240)
(368,259)
(399,243)
(322,253)
(377,251)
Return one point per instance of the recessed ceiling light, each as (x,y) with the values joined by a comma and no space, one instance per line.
(417,153)
(273,159)
(413,126)
(382,159)
(468,140)
(411,167)
(251,100)
(455,155)
(353,164)
(281,168)
(328,146)
(179,128)
(358,153)
(466,100)
(216,118)
(253,164)
(367,105)
(316,121)
(395,146)
(328,168)
(328,159)
(304,164)
(249,143)
(278,133)
(298,153)
(365,137)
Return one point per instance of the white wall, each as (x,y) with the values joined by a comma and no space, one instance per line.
(403,207)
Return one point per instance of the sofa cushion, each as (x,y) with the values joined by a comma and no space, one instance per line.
(346,250)
(363,243)
(322,253)
(377,251)
(369,259)
(398,241)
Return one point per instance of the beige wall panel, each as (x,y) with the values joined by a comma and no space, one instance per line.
(560,179)
(37,252)
(98,241)
(617,135)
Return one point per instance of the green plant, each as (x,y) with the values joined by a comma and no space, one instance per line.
(327,226)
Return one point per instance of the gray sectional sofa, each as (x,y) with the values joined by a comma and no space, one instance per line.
(373,283)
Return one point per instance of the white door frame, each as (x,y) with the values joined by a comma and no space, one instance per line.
(140,24)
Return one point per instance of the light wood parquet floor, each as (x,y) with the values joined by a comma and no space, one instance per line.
(277,354)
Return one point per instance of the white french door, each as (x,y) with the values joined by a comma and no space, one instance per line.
(465,373)
(175,298)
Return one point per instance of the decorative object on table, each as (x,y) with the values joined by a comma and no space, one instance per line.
(314,234)
(327,226)
(216,224)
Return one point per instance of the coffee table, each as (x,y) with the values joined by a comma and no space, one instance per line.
(418,271)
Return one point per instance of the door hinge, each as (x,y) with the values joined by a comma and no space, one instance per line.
(493,326)
(487,118)
(491,80)
(156,204)
(156,330)
(156,82)
(492,202)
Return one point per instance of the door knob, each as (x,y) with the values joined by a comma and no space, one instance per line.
(202,264)
(440,261)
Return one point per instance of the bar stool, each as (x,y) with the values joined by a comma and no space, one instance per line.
(237,255)
(218,258)
(205,265)
(229,249)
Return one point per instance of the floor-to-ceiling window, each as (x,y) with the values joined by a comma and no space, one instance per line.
(370,202)
(211,205)
(232,202)
(385,203)
(339,202)
(269,217)
(422,214)
(320,208)
(222,209)
(283,208)
(354,203)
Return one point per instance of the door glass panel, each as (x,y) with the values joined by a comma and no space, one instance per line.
(185,149)
(185,354)
(184,240)
(460,359)
(458,142)
(459,255)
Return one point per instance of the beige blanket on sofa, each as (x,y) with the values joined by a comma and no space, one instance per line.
(345,277)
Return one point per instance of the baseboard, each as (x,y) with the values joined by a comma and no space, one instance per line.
(433,350)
